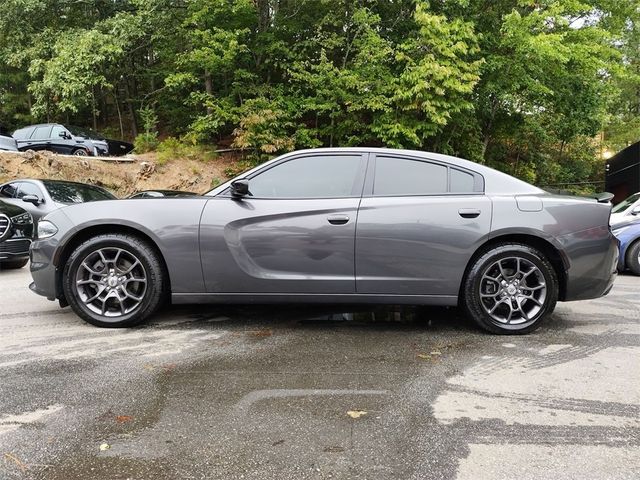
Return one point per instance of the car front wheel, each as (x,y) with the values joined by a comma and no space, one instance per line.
(114,280)
(510,289)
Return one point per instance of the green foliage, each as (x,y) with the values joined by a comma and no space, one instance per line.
(172,148)
(147,141)
(526,87)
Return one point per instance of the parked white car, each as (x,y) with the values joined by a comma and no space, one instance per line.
(625,210)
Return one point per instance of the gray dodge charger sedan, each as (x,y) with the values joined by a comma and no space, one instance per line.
(350,225)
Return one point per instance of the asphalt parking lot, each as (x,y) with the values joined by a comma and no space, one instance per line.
(289,393)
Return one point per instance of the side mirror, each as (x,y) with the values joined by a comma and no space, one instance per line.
(32,199)
(636,210)
(240,188)
(64,135)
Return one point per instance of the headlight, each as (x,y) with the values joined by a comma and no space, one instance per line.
(22,219)
(46,229)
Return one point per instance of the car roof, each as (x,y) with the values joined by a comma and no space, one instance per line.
(496,182)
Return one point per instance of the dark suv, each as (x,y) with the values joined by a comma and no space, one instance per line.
(16,232)
(61,139)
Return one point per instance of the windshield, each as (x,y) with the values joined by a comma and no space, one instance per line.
(66,192)
(85,132)
(626,203)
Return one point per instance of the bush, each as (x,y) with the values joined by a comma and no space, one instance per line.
(172,148)
(147,141)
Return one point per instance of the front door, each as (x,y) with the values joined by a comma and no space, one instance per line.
(418,225)
(294,233)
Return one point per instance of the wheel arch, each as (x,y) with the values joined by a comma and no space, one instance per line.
(63,253)
(553,253)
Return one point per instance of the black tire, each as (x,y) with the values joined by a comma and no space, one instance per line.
(80,152)
(150,265)
(477,304)
(631,259)
(13,264)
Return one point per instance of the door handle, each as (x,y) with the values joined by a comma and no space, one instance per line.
(338,219)
(469,212)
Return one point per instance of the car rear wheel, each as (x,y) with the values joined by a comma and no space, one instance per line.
(633,258)
(13,264)
(114,280)
(510,289)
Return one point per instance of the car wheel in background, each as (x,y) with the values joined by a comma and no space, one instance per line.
(114,280)
(510,289)
(632,259)
(13,264)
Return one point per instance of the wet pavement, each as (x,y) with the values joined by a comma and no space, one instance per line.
(288,393)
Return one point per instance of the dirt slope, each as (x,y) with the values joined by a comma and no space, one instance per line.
(122,179)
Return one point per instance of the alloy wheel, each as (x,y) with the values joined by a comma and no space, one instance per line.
(111,282)
(513,291)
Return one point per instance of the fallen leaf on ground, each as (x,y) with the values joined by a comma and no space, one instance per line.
(265,332)
(333,449)
(21,465)
(435,352)
(104,446)
(277,442)
(424,356)
(356,413)
(124,418)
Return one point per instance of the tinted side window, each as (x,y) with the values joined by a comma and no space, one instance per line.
(317,176)
(9,190)
(25,188)
(41,133)
(56,131)
(461,182)
(399,176)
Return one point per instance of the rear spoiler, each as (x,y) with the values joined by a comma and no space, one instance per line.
(603,197)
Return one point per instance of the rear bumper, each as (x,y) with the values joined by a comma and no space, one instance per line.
(593,258)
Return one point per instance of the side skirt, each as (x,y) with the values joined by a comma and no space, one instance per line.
(262,298)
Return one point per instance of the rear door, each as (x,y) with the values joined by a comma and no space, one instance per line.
(294,234)
(419,222)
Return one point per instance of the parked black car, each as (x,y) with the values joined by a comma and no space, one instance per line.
(40,197)
(16,232)
(7,142)
(119,147)
(67,139)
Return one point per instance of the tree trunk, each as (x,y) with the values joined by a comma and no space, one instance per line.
(208,86)
(117,102)
(93,109)
(487,130)
(132,113)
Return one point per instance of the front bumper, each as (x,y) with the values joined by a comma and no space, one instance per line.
(14,249)
(43,271)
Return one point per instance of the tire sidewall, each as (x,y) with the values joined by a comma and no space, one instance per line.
(149,302)
(472,300)
(632,261)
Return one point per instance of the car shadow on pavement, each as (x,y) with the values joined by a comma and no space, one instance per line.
(319,317)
